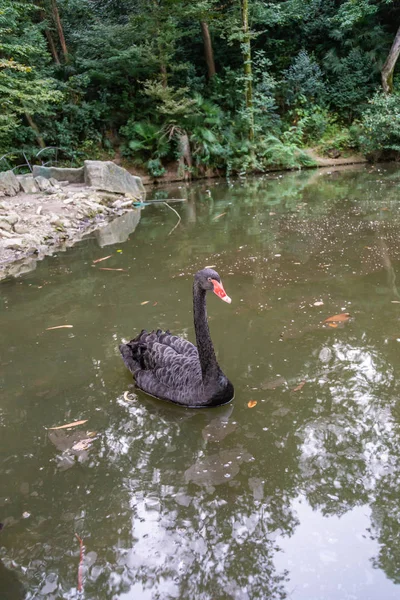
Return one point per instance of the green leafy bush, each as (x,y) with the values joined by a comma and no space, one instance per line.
(379,132)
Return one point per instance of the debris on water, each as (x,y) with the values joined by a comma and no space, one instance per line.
(299,387)
(80,567)
(144,302)
(252,403)
(59,327)
(341,318)
(73,424)
(101,259)
(109,269)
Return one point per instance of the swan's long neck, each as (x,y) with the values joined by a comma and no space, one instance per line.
(208,361)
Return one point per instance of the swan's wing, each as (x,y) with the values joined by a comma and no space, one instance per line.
(170,375)
(178,344)
(161,360)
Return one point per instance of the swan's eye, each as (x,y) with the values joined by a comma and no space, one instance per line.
(208,278)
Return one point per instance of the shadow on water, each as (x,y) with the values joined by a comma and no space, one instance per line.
(292,495)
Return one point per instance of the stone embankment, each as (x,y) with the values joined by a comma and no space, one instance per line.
(53,208)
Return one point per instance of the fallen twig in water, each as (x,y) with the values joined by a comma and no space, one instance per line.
(177,214)
(110,269)
(80,567)
(67,425)
(101,259)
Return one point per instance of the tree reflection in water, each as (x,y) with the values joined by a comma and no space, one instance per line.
(174,503)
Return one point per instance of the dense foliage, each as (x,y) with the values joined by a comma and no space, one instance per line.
(233,85)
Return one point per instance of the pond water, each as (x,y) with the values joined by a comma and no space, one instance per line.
(295,495)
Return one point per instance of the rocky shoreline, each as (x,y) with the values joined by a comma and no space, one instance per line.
(53,215)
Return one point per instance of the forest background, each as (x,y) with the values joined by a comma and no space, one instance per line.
(232,86)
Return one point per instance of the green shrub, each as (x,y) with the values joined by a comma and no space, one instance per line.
(379,132)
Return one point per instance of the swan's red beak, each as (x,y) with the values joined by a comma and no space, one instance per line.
(220,292)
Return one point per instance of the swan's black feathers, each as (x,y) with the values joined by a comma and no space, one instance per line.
(171,368)
(165,366)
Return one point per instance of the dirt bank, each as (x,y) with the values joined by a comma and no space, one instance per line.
(33,226)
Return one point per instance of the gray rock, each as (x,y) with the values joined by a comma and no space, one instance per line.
(13,244)
(12,218)
(27,184)
(43,183)
(109,177)
(4,224)
(70,175)
(21,228)
(9,184)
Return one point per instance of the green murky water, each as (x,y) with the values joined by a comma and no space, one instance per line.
(297,497)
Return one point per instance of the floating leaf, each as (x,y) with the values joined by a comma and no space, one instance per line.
(119,251)
(155,303)
(101,259)
(332,324)
(82,445)
(74,424)
(108,269)
(219,216)
(299,387)
(342,318)
(252,403)
(145,302)
(59,327)
(319,303)
(210,266)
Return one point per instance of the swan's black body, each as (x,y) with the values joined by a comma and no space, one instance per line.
(171,368)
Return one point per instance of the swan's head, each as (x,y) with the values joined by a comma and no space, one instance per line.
(209,279)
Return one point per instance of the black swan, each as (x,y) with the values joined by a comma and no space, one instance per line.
(171,368)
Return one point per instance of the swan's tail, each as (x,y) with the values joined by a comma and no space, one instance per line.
(130,357)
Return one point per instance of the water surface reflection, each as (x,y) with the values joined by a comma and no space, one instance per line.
(296,497)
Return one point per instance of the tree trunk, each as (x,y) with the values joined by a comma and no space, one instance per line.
(390,63)
(208,49)
(164,76)
(35,128)
(57,20)
(52,46)
(248,76)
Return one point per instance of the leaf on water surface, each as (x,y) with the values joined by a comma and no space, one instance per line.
(59,327)
(101,259)
(210,266)
(108,269)
(74,424)
(119,251)
(155,303)
(219,216)
(145,302)
(252,403)
(319,303)
(332,324)
(299,387)
(341,318)
(395,301)
(82,445)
